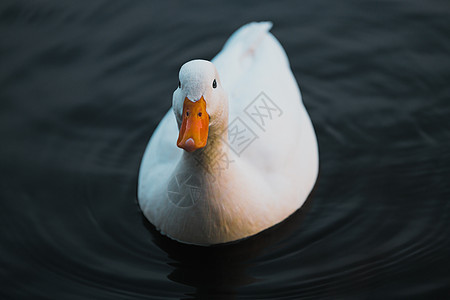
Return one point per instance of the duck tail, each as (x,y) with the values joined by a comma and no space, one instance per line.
(248,37)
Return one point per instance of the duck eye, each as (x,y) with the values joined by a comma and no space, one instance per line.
(199,114)
(179,84)
(187,114)
(214,84)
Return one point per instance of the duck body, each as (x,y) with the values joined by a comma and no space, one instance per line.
(260,161)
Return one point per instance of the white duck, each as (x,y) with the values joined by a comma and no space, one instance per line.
(247,154)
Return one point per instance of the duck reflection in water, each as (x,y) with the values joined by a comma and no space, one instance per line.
(218,271)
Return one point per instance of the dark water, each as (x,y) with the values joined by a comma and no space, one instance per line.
(84,84)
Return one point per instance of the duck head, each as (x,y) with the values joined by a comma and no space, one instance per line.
(199,103)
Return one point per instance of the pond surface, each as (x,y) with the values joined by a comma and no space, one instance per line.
(83,86)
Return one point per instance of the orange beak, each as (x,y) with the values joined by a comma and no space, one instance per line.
(194,128)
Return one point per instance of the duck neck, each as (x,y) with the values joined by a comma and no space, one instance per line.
(213,159)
